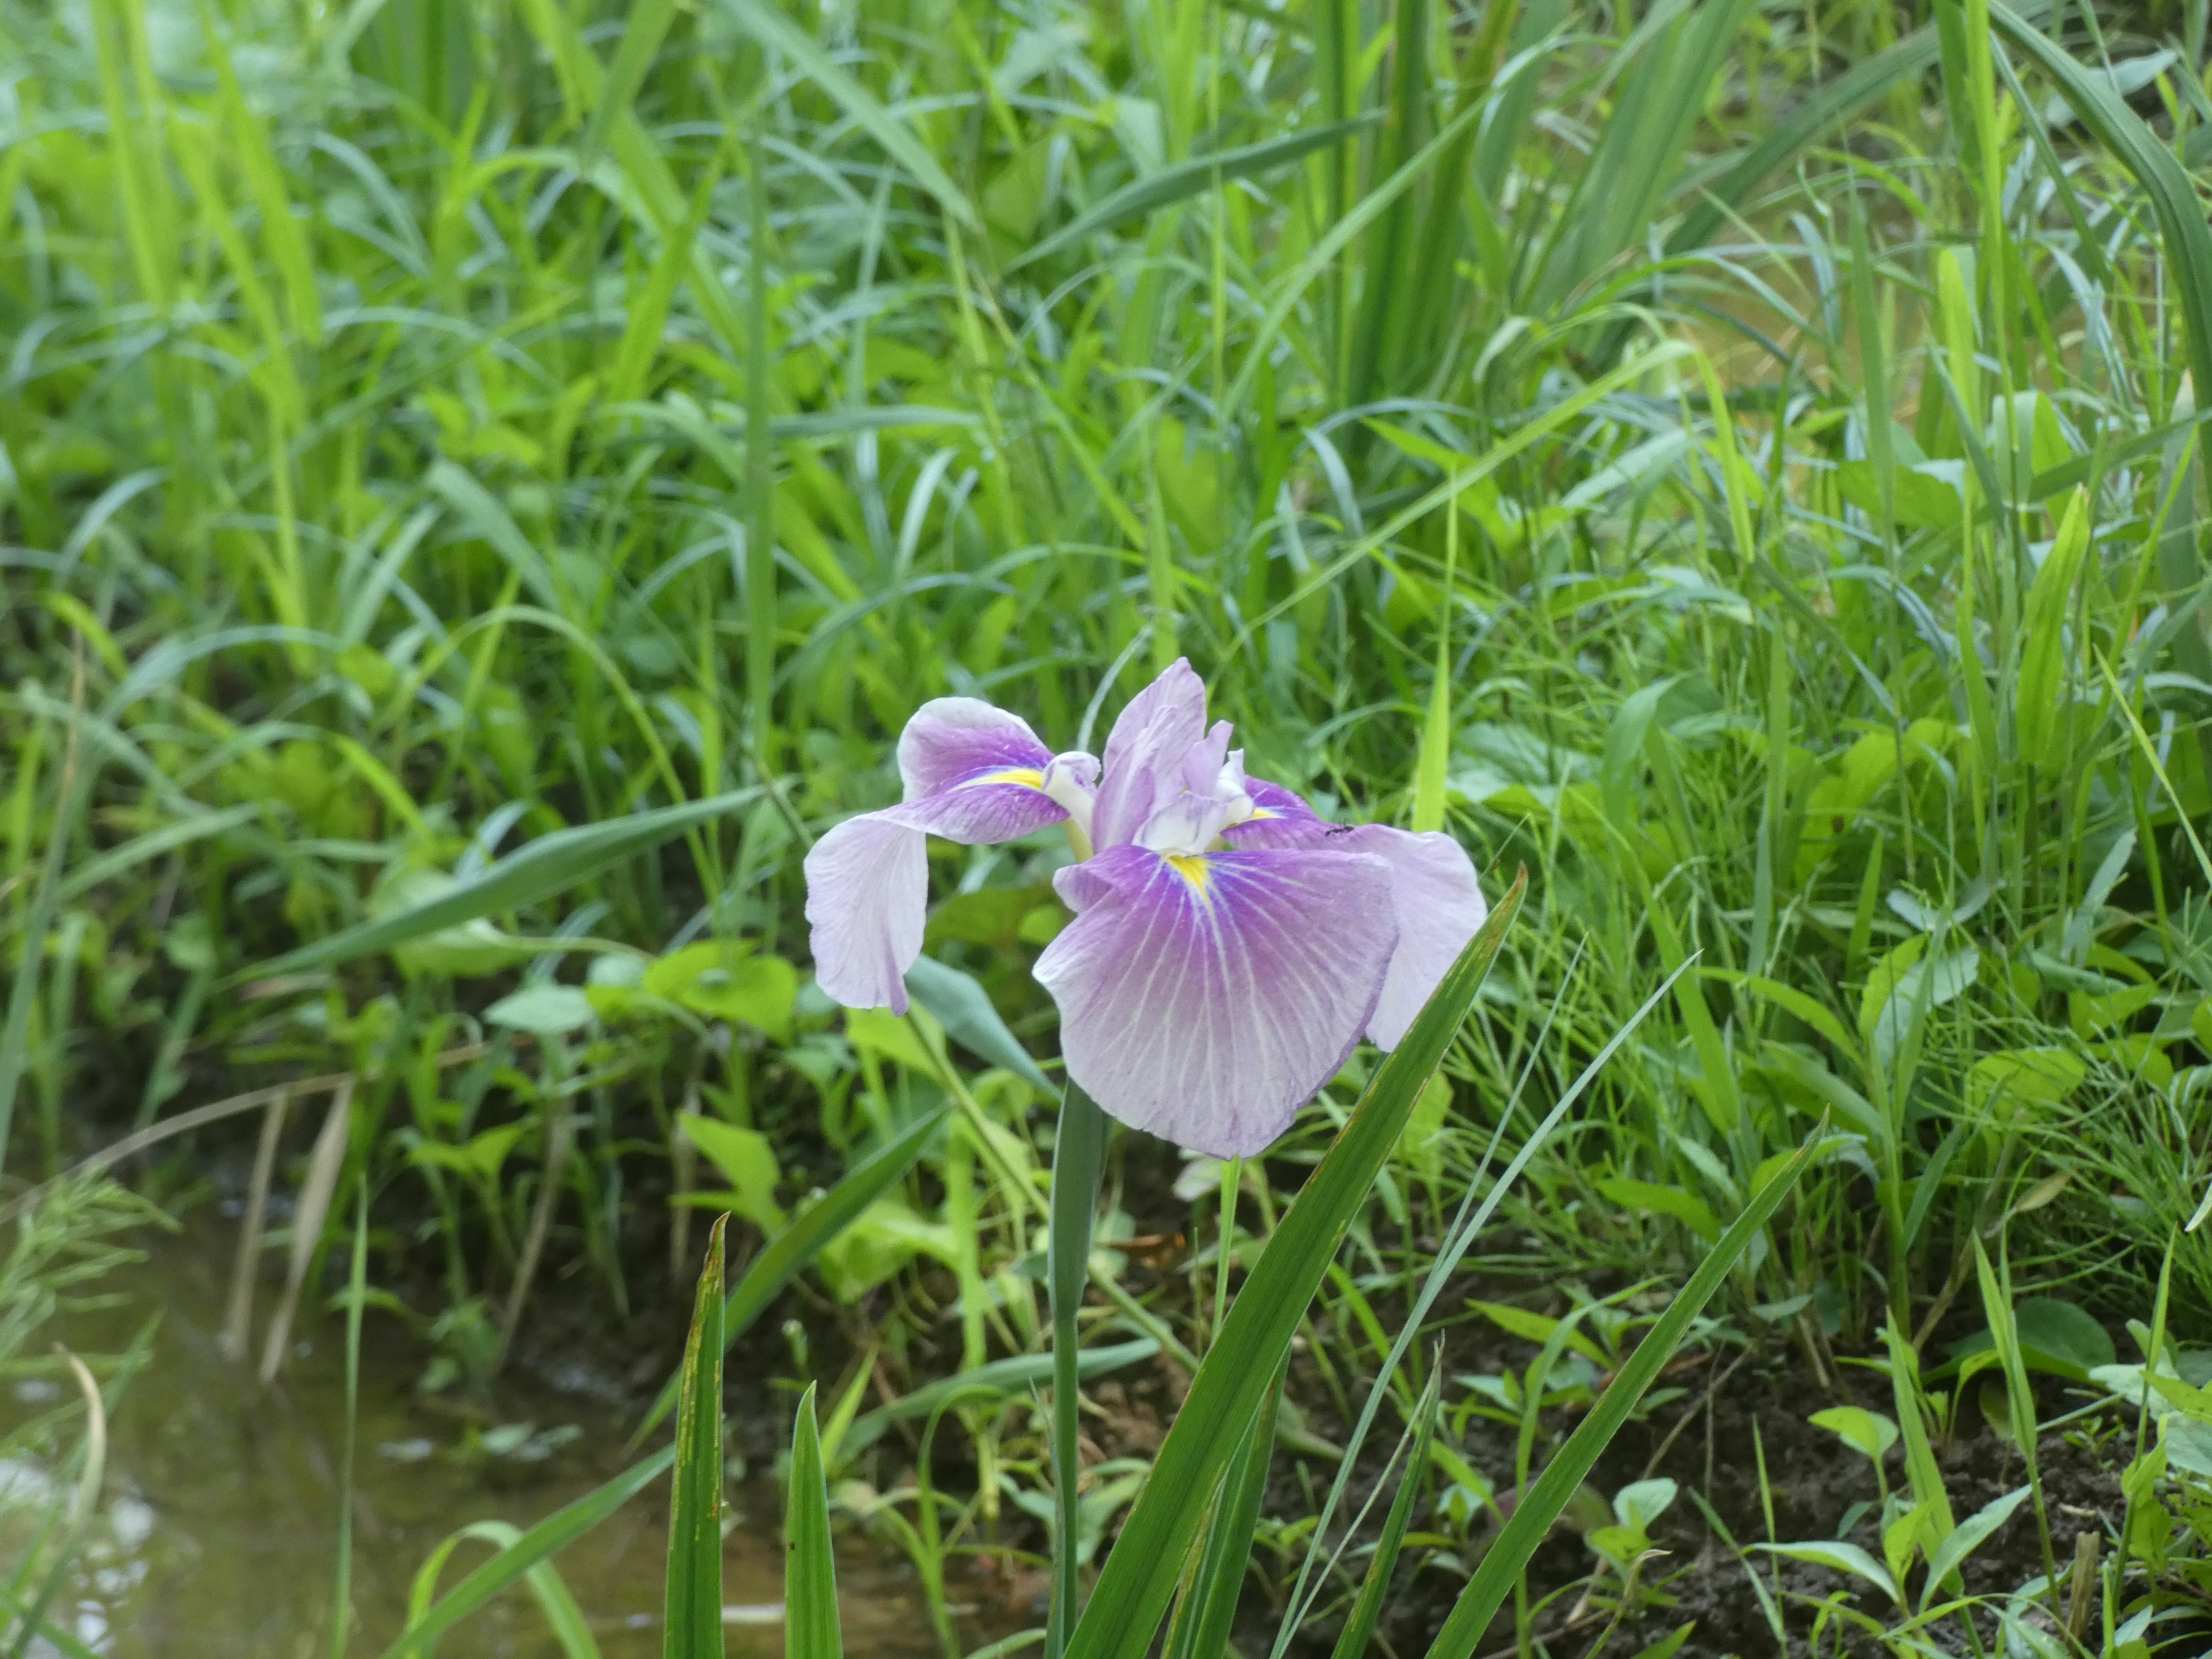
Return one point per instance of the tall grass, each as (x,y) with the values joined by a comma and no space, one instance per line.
(1742,463)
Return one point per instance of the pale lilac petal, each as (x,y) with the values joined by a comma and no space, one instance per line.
(952,739)
(868,880)
(1205,1000)
(867,889)
(1439,905)
(1145,753)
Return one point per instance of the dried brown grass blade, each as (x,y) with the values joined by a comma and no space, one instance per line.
(307,1218)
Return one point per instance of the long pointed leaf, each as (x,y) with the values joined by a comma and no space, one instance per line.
(692,1627)
(810,1583)
(546,866)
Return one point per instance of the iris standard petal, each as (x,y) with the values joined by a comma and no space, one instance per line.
(1439,905)
(1146,751)
(1206,999)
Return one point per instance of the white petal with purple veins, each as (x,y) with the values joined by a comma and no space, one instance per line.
(1206,999)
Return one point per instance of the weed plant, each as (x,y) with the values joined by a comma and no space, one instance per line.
(481,485)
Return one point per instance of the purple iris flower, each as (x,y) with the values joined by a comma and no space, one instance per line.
(1228,946)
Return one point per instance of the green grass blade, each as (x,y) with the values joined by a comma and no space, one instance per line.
(1532,1517)
(1141,197)
(570,1629)
(515,1562)
(810,1581)
(2172,196)
(768,25)
(1806,120)
(1139,1576)
(1078,1156)
(641,36)
(1353,1641)
(550,864)
(1211,1606)
(997,1378)
(790,1250)
(693,1626)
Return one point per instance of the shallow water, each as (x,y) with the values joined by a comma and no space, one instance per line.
(217,1529)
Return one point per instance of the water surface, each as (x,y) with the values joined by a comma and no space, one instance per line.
(217,1527)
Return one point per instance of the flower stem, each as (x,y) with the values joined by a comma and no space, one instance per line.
(1078,1155)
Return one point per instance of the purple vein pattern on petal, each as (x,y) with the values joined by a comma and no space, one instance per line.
(973,774)
(1205,1000)
(1144,754)
(1439,906)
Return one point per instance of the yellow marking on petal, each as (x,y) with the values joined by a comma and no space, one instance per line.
(1259,813)
(1191,866)
(1027,777)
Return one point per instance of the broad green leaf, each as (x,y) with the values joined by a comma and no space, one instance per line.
(1139,1576)
(542,1011)
(747,1161)
(724,980)
(548,865)
(1841,1558)
(1868,1432)
(2013,1078)
(964,1008)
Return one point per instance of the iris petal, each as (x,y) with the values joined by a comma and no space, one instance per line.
(952,738)
(1145,752)
(1206,999)
(973,774)
(1439,905)
(1434,895)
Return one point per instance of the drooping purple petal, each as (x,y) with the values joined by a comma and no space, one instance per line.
(973,774)
(1145,753)
(1206,999)
(1438,904)
(951,739)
